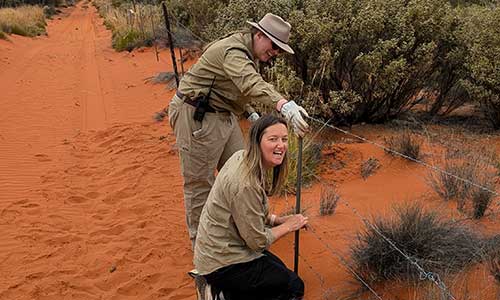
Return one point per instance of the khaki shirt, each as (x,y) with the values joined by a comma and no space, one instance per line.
(233,221)
(237,78)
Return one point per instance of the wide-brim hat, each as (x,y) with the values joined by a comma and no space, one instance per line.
(275,28)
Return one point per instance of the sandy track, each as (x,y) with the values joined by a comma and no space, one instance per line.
(85,171)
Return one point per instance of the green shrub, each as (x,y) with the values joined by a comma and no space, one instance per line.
(481,36)
(435,244)
(357,60)
(136,25)
(49,11)
(19,30)
(17,3)
(3,36)
(366,61)
(127,40)
(23,20)
(198,15)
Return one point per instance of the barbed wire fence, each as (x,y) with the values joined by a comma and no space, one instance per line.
(433,277)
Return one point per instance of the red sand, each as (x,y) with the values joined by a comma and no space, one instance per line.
(91,200)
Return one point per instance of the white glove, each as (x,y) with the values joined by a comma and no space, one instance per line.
(253,117)
(293,114)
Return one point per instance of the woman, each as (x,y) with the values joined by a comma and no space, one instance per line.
(236,229)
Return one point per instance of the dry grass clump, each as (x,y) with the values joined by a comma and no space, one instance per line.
(492,257)
(137,24)
(132,25)
(435,244)
(369,167)
(24,20)
(328,201)
(471,199)
(3,36)
(311,158)
(405,143)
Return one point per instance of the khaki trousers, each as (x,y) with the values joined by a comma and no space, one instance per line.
(203,147)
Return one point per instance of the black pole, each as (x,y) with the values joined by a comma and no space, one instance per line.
(170,42)
(182,61)
(154,33)
(297,206)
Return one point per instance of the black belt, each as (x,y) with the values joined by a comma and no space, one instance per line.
(193,102)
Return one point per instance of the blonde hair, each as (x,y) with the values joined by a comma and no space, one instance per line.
(253,157)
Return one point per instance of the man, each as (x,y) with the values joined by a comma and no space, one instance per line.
(207,135)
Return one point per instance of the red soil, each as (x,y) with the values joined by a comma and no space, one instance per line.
(91,202)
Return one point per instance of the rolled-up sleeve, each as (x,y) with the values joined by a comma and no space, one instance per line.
(249,216)
(245,77)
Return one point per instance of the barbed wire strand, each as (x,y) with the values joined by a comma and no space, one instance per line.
(325,292)
(187,29)
(423,274)
(343,261)
(407,157)
(434,168)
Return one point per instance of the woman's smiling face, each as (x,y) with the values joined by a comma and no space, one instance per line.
(274,145)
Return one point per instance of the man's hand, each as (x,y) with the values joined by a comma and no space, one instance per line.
(253,117)
(293,113)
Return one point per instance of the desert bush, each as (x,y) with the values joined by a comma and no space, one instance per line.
(405,143)
(141,24)
(17,3)
(435,244)
(369,167)
(311,157)
(480,34)
(132,25)
(470,198)
(197,15)
(49,11)
(371,57)
(357,60)
(3,36)
(328,201)
(368,60)
(127,40)
(23,20)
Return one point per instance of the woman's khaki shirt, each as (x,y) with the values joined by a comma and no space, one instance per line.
(233,221)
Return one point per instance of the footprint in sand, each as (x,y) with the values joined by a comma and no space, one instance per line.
(42,157)
(77,199)
(93,195)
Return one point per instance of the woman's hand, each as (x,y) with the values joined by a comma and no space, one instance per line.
(295,222)
(289,224)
